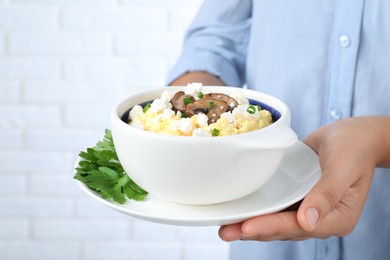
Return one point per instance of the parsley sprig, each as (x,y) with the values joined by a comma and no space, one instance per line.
(101,171)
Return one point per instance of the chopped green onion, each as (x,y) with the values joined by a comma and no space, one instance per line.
(187,100)
(212,104)
(258,107)
(251,109)
(200,95)
(183,115)
(148,105)
(215,132)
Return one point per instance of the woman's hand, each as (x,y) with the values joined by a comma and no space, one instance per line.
(349,150)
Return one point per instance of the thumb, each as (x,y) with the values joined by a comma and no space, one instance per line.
(321,200)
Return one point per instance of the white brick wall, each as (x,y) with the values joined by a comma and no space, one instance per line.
(15,67)
(126,19)
(28,17)
(59,43)
(2,42)
(63,64)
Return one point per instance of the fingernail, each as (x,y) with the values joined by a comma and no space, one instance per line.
(312,217)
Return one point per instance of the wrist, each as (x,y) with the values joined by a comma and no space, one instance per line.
(381,134)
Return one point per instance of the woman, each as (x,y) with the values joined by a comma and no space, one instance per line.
(328,61)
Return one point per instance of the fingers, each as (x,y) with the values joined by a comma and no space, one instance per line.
(279,226)
(283,225)
(333,207)
(230,232)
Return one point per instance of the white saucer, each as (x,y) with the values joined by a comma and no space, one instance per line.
(297,174)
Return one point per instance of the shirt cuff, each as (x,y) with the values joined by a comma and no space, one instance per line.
(208,62)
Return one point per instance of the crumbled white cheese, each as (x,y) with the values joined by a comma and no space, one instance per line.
(238,95)
(229,116)
(202,119)
(184,125)
(168,94)
(241,112)
(201,133)
(137,124)
(193,89)
(160,104)
(135,112)
(168,113)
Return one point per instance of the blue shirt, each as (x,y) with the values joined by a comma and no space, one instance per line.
(327,59)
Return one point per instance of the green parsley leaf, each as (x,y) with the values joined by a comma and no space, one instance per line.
(101,171)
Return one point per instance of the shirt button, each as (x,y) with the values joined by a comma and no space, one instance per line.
(344,41)
(336,114)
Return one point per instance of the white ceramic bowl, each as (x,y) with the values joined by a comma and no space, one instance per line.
(202,170)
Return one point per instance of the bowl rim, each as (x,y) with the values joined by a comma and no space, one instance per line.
(150,94)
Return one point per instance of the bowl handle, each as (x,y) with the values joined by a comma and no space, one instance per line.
(282,137)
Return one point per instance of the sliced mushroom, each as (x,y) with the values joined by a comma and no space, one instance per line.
(178,101)
(231,102)
(211,107)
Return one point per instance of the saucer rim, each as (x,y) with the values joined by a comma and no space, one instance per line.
(314,176)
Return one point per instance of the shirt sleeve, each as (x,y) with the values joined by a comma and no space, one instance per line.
(216,41)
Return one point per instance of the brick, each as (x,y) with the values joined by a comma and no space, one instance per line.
(9,91)
(94,209)
(81,229)
(147,231)
(200,234)
(35,207)
(39,250)
(31,17)
(18,116)
(10,138)
(53,185)
(12,185)
(21,68)
(115,18)
(152,232)
(60,138)
(133,72)
(37,161)
(196,251)
(132,250)
(93,115)
(14,228)
(131,90)
(149,44)
(59,43)
(72,91)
